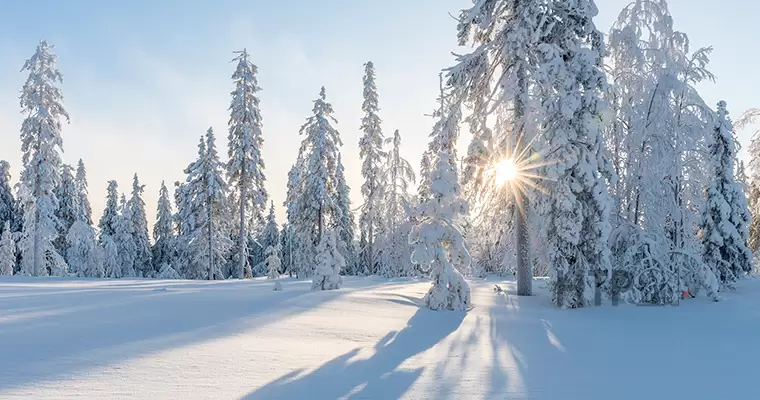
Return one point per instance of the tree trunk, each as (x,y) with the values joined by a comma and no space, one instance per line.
(524,269)
(210,244)
(243,251)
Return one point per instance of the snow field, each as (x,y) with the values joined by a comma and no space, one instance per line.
(77,338)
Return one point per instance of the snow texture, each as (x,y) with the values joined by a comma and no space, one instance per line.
(370,340)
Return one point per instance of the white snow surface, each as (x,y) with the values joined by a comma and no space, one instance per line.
(150,339)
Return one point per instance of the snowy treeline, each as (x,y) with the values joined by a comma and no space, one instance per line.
(598,149)
(616,139)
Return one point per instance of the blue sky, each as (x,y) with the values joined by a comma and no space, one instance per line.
(143,80)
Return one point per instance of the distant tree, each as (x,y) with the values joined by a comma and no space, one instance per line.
(85,211)
(345,220)
(8,212)
(107,224)
(143,262)
(163,230)
(399,176)
(315,208)
(68,208)
(7,250)
(125,240)
(84,255)
(207,196)
(329,264)
(111,261)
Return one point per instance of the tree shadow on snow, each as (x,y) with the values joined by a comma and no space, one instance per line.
(42,340)
(377,377)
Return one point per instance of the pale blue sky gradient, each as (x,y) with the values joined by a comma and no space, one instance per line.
(143,80)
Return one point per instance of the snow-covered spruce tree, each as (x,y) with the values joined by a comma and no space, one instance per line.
(41,144)
(125,239)
(575,203)
(245,168)
(7,250)
(373,156)
(269,236)
(274,264)
(725,220)
(438,242)
(107,223)
(84,212)
(68,207)
(85,257)
(345,220)
(143,262)
(163,230)
(208,198)
(397,203)
(111,261)
(315,209)
(329,263)
(7,202)
(297,261)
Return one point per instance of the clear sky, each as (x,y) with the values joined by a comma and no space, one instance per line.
(143,80)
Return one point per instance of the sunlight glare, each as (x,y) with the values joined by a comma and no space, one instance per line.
(506,171)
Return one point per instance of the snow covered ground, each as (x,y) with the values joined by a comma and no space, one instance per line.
(98,339)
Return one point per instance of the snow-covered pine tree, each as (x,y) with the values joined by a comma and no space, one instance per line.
(245,168)
(345,220)
(41,144)
(111,261)
(398,175)
(725,220)
(575,203)
(124,237)
(287,250)
(143,261)
(315,207)
(83,201)
(274,263)
(7,202)
(163,231)
(329,263)
(7,250)
(295,262)
(270,236)
(107,223)
(209,240)
(68,208)
(85,257)
(373,156)
(437,240)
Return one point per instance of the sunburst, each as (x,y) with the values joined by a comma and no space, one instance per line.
(515,169)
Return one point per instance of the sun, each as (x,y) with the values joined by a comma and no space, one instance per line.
(506,171)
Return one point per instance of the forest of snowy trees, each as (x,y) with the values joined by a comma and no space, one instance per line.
(623,180)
